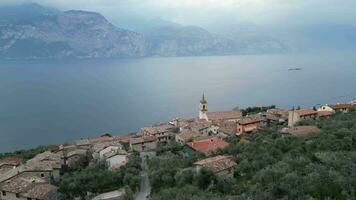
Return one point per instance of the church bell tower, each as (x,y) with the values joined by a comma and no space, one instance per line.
(203,108)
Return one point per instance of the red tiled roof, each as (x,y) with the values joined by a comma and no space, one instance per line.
(249,120)
(208,145)
(227,115)
(324,113)
(197,124)
(120,138)
(342,106)
(187,135)
(40,191)
(306,111)
(217,163)
(15,161)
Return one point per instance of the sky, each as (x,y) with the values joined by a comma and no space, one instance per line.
(207,12)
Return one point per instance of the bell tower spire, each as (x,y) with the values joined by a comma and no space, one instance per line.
(203,108)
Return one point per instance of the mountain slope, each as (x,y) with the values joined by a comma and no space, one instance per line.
(42,33)
(32,31)
(170,39)
(253,38)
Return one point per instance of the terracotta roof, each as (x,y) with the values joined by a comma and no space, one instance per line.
(305,112)
(13,161)
(342,106)
(217,164)
(40,191)
(153,130)
(277,114)
(119,138)
(45,161)
(19,184)
(208,145)
(249,120)
(197,124)
(228,127)
(324,113)
(227,115)
(100,139)
(188,135)
(277,111)
(272,117)
(142,139)
(122,138)
(303,130)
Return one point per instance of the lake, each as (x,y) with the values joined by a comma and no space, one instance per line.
(51,102)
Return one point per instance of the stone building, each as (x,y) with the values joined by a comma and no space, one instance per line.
(220,165)
(27,188)
(143,143)
(297,115)
(208,145)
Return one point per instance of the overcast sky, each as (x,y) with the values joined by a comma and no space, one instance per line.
(204,12)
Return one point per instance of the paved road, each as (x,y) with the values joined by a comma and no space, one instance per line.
(145,187)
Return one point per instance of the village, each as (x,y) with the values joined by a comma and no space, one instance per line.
(37,178)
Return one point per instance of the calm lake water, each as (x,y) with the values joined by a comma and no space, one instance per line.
(51,102)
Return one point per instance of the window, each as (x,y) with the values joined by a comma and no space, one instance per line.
(17,195)
(29,199)
(42,175)
(3,193)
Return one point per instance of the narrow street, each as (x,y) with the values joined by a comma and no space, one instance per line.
(145,187)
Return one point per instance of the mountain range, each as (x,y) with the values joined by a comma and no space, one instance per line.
(32,31)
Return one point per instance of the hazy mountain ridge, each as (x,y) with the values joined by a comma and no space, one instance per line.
(63,34)
(171,39)
(33,31)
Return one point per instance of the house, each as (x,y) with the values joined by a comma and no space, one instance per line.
(276,115)
(9,163)
(227,129)
(208,145)
(143,143)
(26,188)
(216,116)
(343,107)
(42,191)
(301,130)
(98,147)
(108,138)
(163,132)
(116,159)
(108,149)
(248,124)
(75,158)
(297,115)
(187,135)
(46,165)
(220,165)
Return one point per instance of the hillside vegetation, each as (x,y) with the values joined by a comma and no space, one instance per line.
(270,166)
